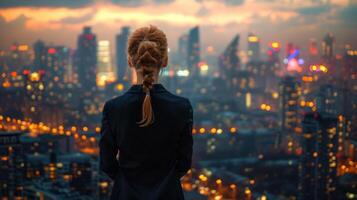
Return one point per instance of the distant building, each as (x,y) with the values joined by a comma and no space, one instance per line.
(193,50)
(253,47)
(87,58)
(182,50)
(11,166)
(57,63)
(229,63)
(328,46)
(274,52)
(318,165)
(290,91)
(328,100)
(34,93)
(121,53)
(40,55)
(105,72)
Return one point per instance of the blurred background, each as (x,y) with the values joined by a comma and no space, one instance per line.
(273,84)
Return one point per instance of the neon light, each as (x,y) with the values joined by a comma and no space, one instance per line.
(275,45)
(51,51)
(253,39)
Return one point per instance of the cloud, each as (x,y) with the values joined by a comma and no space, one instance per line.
(349,14)
(136,3)
(78,19)
(203,11)
(227,2)
(314,10)
(45,3)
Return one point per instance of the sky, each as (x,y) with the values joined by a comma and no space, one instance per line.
(297,21)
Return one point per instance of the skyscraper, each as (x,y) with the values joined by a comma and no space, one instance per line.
(40,55)
(328,100)
(229,63)
(193,50)
(253,47)
(11,165)
(290,91)
(182,50)
(104,61)
(318,165)
(328,46)
(87,58)
(121,55)
(308,161)
(57,62)
(105,72)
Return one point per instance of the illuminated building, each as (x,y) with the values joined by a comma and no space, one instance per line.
(104,63)
(121,55)
(34,90)
(308,160)
(80,170)
(11,165)
(290,91)
(327,160)
(87,58)
(253,47)
(318,165)
(273,52)
(40,55)
(328,46)
(328,101)
(57,63)
(193,50)
(229,63)
(20,55)
(313,50)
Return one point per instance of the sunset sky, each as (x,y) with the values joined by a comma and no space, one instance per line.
(59,22)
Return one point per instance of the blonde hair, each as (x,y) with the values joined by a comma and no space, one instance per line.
(147,52)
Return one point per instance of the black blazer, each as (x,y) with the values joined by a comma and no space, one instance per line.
(152,159)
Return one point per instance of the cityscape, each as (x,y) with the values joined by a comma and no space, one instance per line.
(273,120)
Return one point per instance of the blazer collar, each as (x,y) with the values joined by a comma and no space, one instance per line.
(137,88)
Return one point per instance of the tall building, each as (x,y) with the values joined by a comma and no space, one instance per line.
(182,50)
(328,46)
(87,58)
(313,50)
(328,100)
(229,61)
(11,166)
(308,161)
(121,55)
(318,165)
(57,63)
(290,91)
(40,55)
(20,56)
(104,60)
(105,72)
(193,50)
(274,52)
(253,47)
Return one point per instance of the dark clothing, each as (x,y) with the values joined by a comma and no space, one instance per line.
(153,158)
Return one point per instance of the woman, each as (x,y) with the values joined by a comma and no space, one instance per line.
(148,127)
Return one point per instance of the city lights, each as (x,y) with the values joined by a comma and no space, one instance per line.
(273,116)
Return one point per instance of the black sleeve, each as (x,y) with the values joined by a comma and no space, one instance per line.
(107,146)
(186,143)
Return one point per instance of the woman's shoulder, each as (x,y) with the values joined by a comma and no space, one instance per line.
(179,99)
